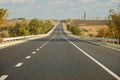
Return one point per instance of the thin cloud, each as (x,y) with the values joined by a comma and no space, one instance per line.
(105,4)
(115,0)
(61,2)
(77,8)
(17,1)
(87,1)
(3,1)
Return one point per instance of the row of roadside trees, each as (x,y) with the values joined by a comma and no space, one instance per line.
(23,28)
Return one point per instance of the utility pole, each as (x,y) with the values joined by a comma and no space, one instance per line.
(84,15)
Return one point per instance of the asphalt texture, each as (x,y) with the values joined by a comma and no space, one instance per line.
(56,58)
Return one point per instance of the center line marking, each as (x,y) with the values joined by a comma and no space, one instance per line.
(43,45)
(37,49)
(3,77)
(33,52)
(40,47)
(19,65)
(28,57)
(47,42)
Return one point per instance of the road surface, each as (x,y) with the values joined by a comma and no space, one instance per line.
(59,57)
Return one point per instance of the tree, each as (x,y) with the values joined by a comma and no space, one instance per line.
(75,30)
(35,26)
(103,32)
(4,34)
(114,22)
(3,14)
(20,29)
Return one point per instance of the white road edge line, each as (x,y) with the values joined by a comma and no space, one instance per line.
(93,59)
(19,65)
(3,77)
(28,57)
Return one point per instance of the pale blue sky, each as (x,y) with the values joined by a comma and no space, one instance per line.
(57,9)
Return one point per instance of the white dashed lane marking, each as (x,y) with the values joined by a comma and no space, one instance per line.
(19,65)
(33,52)
(37,49)
(40,47)
(28,57)
(43,45)
(3,77)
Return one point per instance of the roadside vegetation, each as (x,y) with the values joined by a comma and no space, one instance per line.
(110,29)
(113,31)
(3,15)
(23,27)
(75,30)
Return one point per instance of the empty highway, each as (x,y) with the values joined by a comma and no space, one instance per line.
(59,57)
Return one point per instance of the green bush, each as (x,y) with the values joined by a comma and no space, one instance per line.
(75,30)
(38,27)
(20,29)
(4,34)
(3,14)
(23,28)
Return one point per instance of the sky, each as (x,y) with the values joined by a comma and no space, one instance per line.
(58,9)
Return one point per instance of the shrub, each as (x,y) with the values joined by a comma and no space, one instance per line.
(75,30)
(23,28)
(103,32)
(4,34)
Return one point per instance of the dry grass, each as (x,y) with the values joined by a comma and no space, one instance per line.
(10,22)
(92,30)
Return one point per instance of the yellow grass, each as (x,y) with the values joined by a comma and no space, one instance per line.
(92,30)
(9,22)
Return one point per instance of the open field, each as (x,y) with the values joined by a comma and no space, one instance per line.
(10,22)
(92,30)
(89,27)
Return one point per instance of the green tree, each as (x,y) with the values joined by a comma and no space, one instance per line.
(20,29)
(103,32)
(114,22)
(3,14)
(4,34)
(75,30)
(35,26)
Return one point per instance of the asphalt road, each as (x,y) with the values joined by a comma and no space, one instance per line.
(59,57)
